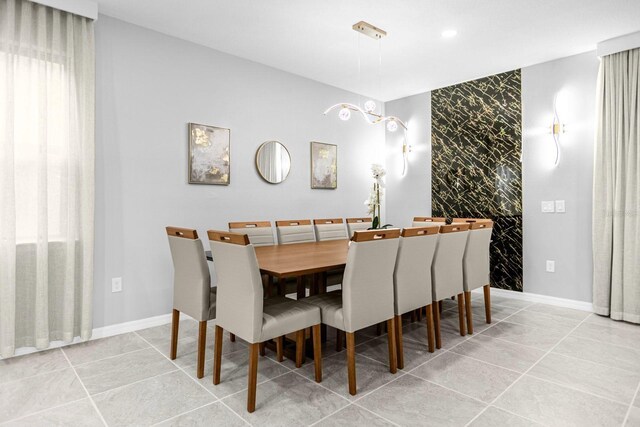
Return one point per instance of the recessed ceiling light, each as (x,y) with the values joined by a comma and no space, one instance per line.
(447,34)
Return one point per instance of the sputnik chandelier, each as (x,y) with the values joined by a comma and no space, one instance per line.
(368,112)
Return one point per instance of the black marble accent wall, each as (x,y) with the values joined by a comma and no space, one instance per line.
(476,139)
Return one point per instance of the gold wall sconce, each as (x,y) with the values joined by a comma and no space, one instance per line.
(557,128)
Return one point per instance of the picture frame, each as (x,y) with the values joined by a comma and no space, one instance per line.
(209,155)
(324,166)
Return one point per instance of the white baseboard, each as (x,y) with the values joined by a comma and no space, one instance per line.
(543,299)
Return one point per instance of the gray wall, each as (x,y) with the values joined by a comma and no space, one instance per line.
(565,238)
(149,86)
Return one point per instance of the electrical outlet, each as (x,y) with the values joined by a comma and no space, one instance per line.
(560,206)
(551,266)
(116,284)
(548,206)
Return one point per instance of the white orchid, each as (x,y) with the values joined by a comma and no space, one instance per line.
(375,197)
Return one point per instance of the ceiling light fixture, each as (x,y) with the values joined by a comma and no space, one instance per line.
(447,34)
(368,112)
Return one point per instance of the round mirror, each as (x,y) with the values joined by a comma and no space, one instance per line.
(273,162)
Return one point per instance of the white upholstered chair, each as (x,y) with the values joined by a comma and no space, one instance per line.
(425,221)
(242,309)
(475,265)
(295,231)
(260,232)
(446,272)
(367,293)
(192,291)
(358,224)
(329,229)
(412,280)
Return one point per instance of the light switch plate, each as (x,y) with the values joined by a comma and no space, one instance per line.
(560,206)
(548,206)
(551,266)
(116,284)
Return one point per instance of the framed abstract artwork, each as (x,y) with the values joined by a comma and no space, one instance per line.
(209,161)
(324,165)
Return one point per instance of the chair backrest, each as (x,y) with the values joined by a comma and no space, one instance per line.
(412,274)
(240,294)
(260,232)
(329,229)
(446,268)
(425,221)
(191,279)
(295,231)
(475,263)
(358,224)
(367,287)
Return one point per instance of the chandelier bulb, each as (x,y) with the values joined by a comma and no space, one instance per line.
(370,106)
(344,114)
(392,126)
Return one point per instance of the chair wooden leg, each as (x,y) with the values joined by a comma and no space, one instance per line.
(339,340)
(232,337)
(440,306)
(262,347)
(317,351)
(436,324)
(419,314)
(202,344)
(351,361)
(430,331)
(413,316)
(487,302)
(279,348)
(253,376)
(379,329)
(300,289)
(463,326)
(468,312)
(399,345)
(217,354)
(391,339)
(299,347)
(175,324)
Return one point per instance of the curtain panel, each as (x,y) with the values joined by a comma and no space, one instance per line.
(47,114)
(616,189)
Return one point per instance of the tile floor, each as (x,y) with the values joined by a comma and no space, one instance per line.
(535,365)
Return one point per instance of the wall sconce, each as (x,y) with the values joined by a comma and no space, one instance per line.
(556,128)
(406,149)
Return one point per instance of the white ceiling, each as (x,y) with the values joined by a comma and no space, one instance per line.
(314,39)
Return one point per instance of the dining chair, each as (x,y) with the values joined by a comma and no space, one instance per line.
(446,272)
(192,291)
(260,232)
(367,293)
(424,221)
(243,311)
(329,229)
(412,280)
(476,265)
(295,231)
(357,224)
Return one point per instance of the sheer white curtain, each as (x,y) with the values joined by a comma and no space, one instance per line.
(47,74)
(616,195)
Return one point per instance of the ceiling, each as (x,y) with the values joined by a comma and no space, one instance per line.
(314,39)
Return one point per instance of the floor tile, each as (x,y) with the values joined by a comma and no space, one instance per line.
(411,401)
(637,401)
(152,400)
(606,381)
(556,405)
(545,321)
(369,374)
(634,418)
(559,311)
(92,351)
(121,370)
(505,301)
(503,353)
(20,367)
(600,352)
(24,397)
(468,376)
(415,353)
(449,320)
(493,417)
(353,415)
(543,339)
(498,312)
(77,414)
(606,321)
(622,336)
(287,400)
(215,413)
(159,336)
(418,332)
(234,371)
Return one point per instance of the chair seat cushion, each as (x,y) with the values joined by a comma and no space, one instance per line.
(330,305)
(212,303)
(282,316)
